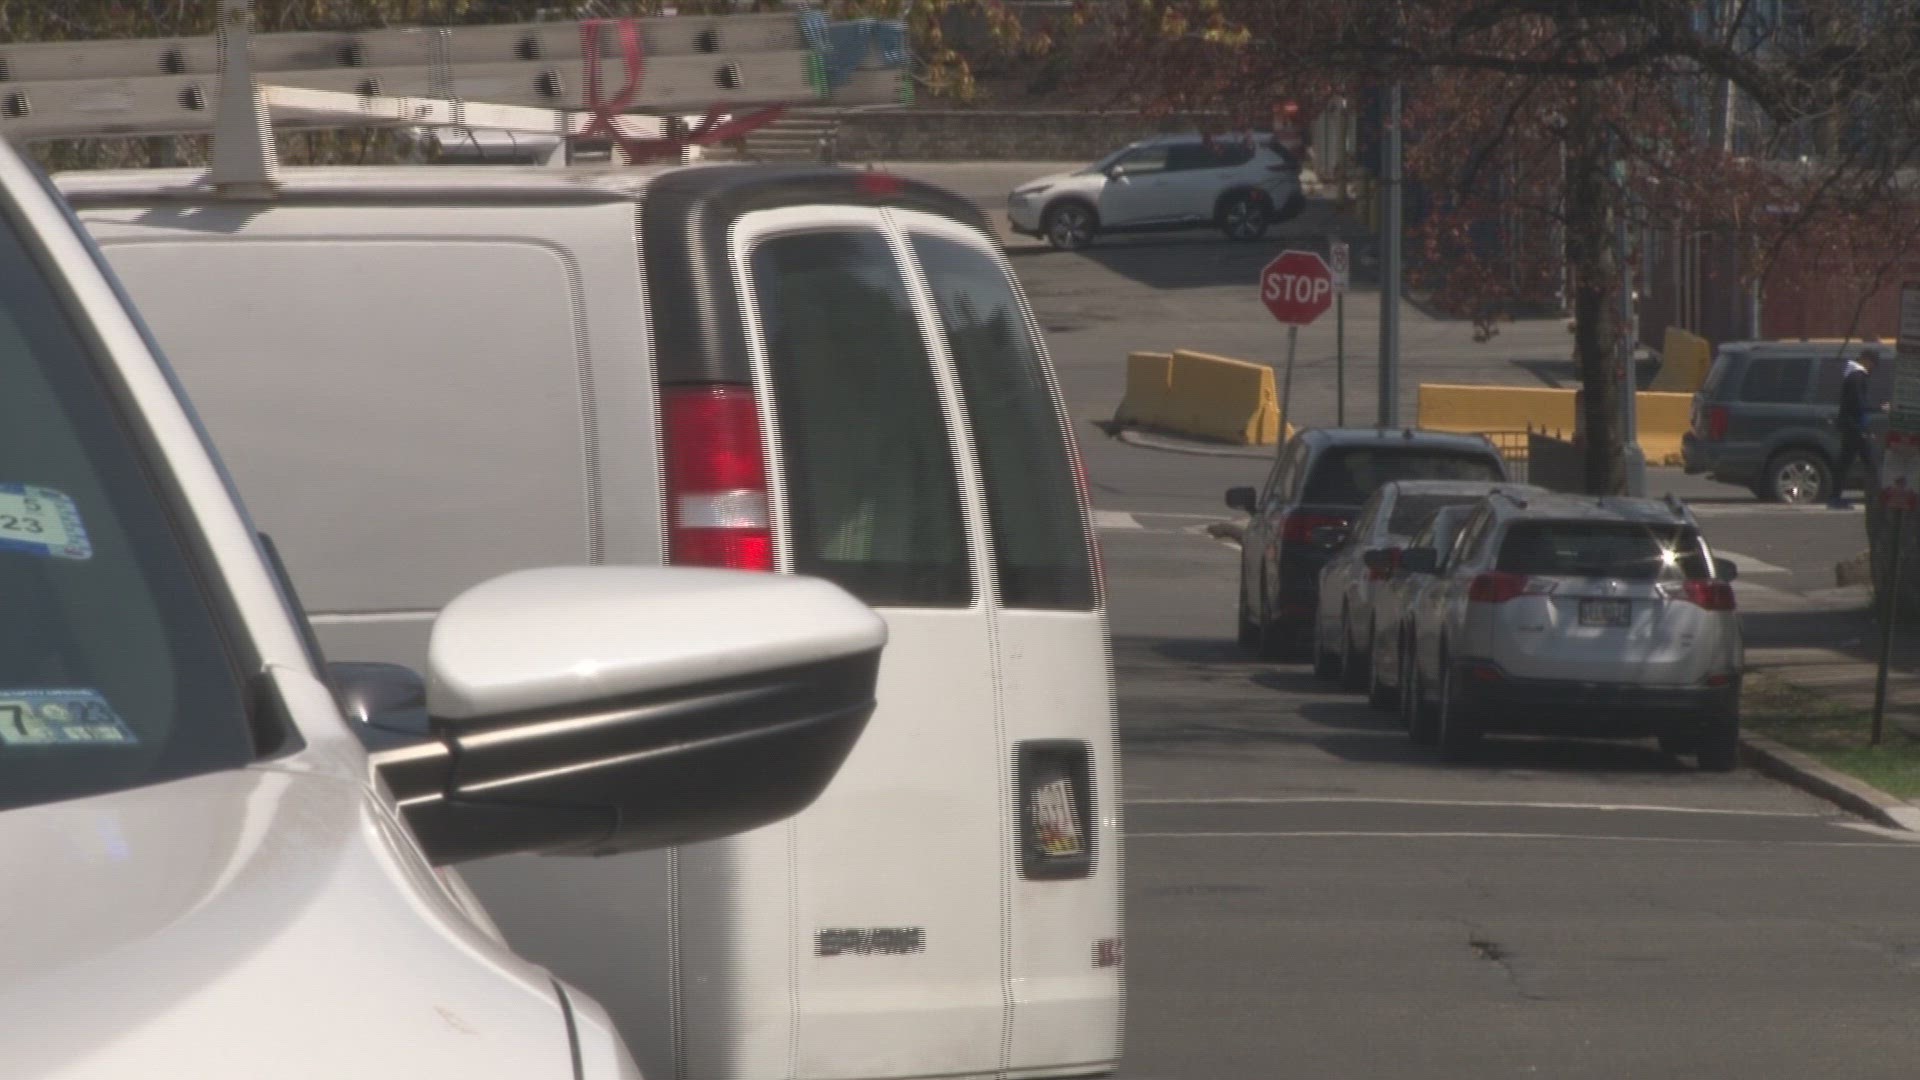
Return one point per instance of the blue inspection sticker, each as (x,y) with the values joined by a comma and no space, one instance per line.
(41,521)
(61,718)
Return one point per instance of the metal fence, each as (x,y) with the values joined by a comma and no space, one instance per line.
(1515,451)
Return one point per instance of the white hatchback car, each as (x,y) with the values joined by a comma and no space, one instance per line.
(1240,184)
(1578,616)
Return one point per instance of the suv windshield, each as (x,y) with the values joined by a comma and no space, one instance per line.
(113,673)
(1624,549)
(1349,475)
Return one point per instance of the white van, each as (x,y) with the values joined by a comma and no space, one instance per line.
(208,873)
(424,376)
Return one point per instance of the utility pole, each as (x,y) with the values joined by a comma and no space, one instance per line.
(1390,228)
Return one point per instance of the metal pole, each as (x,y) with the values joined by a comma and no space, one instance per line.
(1886,627)
(1286,382)
(1340,358)
(1390,265)
(1627,342)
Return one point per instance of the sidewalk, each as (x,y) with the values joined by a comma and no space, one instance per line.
(1828,642)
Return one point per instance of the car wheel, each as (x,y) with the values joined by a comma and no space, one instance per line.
(1380,695)
(1679,744)
(1274,641)
(1069,226)
(1458,732)
(1798,476)
(1244,219)
(1421,723)
(1249,630)
(1326,662)
(1719,749)
(1354,664)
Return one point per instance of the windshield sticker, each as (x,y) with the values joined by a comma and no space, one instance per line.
(60,718)
(41,521)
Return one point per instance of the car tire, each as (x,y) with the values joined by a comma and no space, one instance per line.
(1421,723)
(1379,695)
(1679,743)
(1355,666)
(1291,209)
(1249,631)
(1244,218)
(1719,748)
(1275,643)
(1069,226)
(1458,731)
(1797,475)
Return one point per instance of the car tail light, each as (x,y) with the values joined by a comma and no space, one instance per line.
(1298,528)
(1385,573)
(1485,673)
(717,506)
(1711,595)
(1497,587)
(1716,418)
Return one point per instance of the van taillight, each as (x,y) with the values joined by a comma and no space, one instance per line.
(1717,417)
(717,511)
(1299,528)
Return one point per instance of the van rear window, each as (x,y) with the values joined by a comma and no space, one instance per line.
(873,503)
(1349,475)
(1040,543)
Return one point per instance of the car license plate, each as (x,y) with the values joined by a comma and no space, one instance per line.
(1606,612)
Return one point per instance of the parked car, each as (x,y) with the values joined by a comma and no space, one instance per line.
(237,857)
(1238,184)
(1319,481)
(1577,616)
(1343,628)
(1398,596)
(1767,417)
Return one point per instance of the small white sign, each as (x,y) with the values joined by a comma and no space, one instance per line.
(1337,262)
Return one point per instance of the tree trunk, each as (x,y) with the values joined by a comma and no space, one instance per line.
(1593,264)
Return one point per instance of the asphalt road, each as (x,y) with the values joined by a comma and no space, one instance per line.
(1311,895)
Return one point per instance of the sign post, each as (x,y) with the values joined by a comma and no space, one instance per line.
(1297,288)
(1898,479)
(1342,276)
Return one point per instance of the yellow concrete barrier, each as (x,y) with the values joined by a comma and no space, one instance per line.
(1684,360)
(1217,397)
(1149,381)
(1663,417)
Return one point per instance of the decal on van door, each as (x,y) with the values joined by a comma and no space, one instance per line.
(41,521)
(60,718)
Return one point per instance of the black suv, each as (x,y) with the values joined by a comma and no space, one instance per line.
(1318,483)
(1767,417)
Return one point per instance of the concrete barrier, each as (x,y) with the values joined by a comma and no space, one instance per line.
(1663,417)
(1216,398)
(1149,381)
(1684,360)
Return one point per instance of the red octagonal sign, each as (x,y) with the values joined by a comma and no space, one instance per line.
(1297,287)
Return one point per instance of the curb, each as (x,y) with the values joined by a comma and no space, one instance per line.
(1172,446)
(1844,791)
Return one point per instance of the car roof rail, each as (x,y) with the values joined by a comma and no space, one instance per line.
(1516,500)
(1679,507)
(651,87)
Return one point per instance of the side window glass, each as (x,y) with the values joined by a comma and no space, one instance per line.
(1775,380)
(1040,545)
(1826,388)
(1147,159)
(1186,157)
(874,499)
(1466,548)
(1276,478)
(1232,153)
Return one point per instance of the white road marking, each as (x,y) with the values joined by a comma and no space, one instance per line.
(1311,800)
(1750,565)
(1311,834)
(1114,519)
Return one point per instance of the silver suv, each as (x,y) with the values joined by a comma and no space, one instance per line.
(1577,616)
(1238,184)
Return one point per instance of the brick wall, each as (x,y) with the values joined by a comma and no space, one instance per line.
(981,135)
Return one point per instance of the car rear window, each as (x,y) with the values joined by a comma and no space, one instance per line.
(1349,475)
(1717,374)
(873,499)
(1412,512)
(1040,543)
(1623,549)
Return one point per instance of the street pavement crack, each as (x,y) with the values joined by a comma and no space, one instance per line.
(1486,948)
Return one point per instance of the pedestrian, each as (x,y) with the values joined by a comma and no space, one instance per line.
(1854,411)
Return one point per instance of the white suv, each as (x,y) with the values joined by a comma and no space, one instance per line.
(1240,184)
(1579,616)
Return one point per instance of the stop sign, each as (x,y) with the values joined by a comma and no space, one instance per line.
(1297,287)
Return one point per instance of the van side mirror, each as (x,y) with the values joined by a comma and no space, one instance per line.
(597,710)
(1419,560)
(1242,499)
(1725,569)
